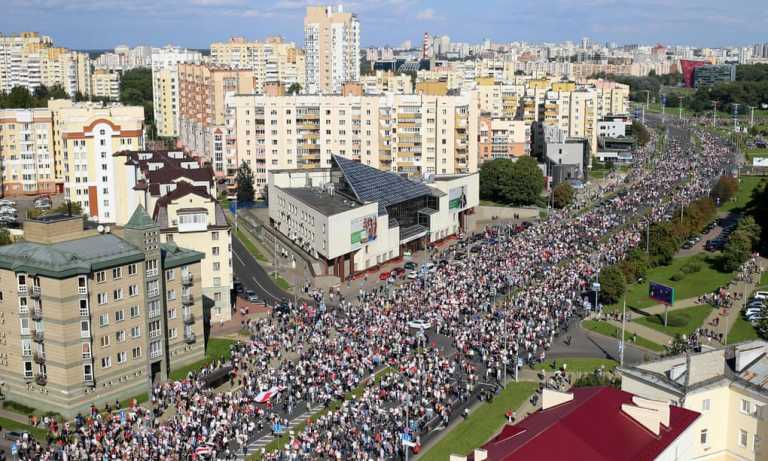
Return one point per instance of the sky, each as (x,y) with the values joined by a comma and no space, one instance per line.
(103,24)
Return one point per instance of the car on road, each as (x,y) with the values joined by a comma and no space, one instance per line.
(459,256)
(420,324)
(412,275)
(6,202)
(688,245)
(410,265)
(475,249)
(15,435)
(398,271)
(385,275)
(251,296)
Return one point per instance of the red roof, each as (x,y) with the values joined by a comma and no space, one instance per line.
(590,427)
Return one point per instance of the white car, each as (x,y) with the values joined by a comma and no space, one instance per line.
(420,324)
(412,275)
(761,295)
(6,202)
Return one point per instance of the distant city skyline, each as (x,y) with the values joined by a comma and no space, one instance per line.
(103,24)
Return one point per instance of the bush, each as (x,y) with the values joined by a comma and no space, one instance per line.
(612,284)
(677,276)
(725,188)
(691,267)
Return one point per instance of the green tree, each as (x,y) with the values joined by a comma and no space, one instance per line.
(678,345)
(295,88)
(663,245)
(41,92)
(5,237)
(136,86)
(640,132)
(612,284)
(19,98)
(562,195)
(245,192)
(491,174)
(525,184)
(57,92)
(736,251)
(725,188)
(635,265)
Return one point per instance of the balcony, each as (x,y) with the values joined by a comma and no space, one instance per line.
(187,279)
(38,336)
(82,291)
(41,379)
(22,289)
(187,300)
(39,357)
(152,272)
(189,319)
(36,313)
(190,338)
(34,291)
(88,380)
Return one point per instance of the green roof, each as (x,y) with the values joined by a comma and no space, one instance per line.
(140,219)
(175,256)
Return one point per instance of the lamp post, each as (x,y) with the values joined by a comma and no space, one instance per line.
(623,328)
(714,113)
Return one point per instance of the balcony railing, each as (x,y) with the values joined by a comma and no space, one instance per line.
(36,313)
(22,289)
(34,291)
(88,380)
(189,319)
(38,336)
(82,291)
(187,279)
(39,357)
(41,379)
(152,272)
(190,338)
(187,300)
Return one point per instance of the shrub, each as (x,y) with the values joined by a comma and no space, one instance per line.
(691,267)
(677,276)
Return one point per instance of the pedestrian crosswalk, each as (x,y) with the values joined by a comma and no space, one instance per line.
(261,442)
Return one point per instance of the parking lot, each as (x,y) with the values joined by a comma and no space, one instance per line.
(17,208)
(717,235)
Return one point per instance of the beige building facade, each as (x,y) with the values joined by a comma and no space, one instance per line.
(332,46)
(165,86)
(27,152)
(105,84)
(86,319)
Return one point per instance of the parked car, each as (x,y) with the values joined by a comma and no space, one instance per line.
(6,202)
(410,265)
(14,435)
(760,295)
(398,271)
(412,275)
(251,296)
(420,324)
(384,275)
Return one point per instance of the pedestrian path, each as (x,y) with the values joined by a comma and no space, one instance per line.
(682,304)
(643,331)
(266,439)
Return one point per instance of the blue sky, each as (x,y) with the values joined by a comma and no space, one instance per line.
(196,23)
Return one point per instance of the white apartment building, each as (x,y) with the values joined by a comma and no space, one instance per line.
(165,86)
(105,84)
(415,135)
(273,60)
(386,82)
(728,386)
(332,46)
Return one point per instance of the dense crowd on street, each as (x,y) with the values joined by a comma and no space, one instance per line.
(379,378)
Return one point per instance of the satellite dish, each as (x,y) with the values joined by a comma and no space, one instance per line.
(107,229)
(100,229)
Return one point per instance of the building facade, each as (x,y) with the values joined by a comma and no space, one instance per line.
(165,86)
(87,320)
(105,84)
(503,138)
(332,46)
(27,152)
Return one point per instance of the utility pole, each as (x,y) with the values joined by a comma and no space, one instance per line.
(648,236)
(735,115)
(752,116)
(680,108)
(714,113)
(643,107)
(623,323)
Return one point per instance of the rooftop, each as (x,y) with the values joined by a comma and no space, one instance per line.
(326,204)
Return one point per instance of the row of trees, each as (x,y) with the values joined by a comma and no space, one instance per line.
(21,98)
(510,182)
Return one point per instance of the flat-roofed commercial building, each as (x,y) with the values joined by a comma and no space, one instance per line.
(91,317)
(351,217)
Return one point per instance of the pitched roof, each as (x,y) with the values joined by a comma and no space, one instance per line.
(372,185)
(140,219)
(590,427)
(183,188)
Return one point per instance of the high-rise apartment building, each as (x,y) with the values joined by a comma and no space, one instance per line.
(386,82)
(332,46)
(30,60)
(165,86)
(272,60)
(105,84)
(503,138)
(91,317)
(412,135)
(27,152)
(202,110)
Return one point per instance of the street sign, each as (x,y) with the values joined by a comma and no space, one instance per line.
(661,293)
(595,286)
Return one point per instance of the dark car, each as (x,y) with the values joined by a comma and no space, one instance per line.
(442,263)
(281,308)
(475,249)
(459,256)
(410,265)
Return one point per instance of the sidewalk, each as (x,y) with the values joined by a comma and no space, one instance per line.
(643,331)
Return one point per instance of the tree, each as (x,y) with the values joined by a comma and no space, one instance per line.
(725,188)
(294,89)
(19,98)
(562,195)
(491,174)
(57,92)
(663,244)
(612,284)
(41,92)
(525,184)
(139,81)
(635,265)
(245,190)
(736,251)
(640,133)
(5,237)
(678,345)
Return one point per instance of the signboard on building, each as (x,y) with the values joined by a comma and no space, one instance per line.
(363,230)
(758,161)
(661,293)
(457,198)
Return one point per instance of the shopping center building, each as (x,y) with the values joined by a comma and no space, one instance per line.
(353,217)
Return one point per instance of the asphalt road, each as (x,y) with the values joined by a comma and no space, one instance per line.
(253,276)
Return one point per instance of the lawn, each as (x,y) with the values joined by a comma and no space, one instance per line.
(244,237)
(482,424)
(707,280)
(281,282)
(681,321)
(217,348)
(141,398)
(741,330)
(747,186)
(755,153)
(606,329)
(11,425)
(578,364)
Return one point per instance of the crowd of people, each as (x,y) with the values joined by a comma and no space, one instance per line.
(381,380)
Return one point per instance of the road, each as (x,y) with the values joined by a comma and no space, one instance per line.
(253,276)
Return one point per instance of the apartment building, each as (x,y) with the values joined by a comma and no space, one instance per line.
(273,60)
(86,314)
(105,84)
(180,196)
(503,138)
(574,111)
(165,86)
(386,82)
(612,97)
(332,46)
(86,135)
(30,60)
(27,152)
(202,93)
(124,58)
(413,135)
(726,385)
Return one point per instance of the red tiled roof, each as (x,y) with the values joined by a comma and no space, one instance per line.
(183,188)
(591,427)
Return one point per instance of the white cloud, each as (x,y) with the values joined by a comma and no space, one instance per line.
(426,15)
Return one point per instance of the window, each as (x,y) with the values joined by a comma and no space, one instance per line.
(215,251)
(87,372)
(117,295)
(86,350)
(705,405)
(24,325)
(172,333)
(105,341)
(122,357)
(103,320)
(215,235)
(101,298)
(117,273)
(135,332)
(85,329)
(132,269)
(743,436)
(119,315)
(136,352)
(703,437)
(28,369)
(745,406)
(26,347)
(216,266)
(170,274)
(106,362)
(100,277)
(133,290)
(134,311)
(756,443)
(171,314)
